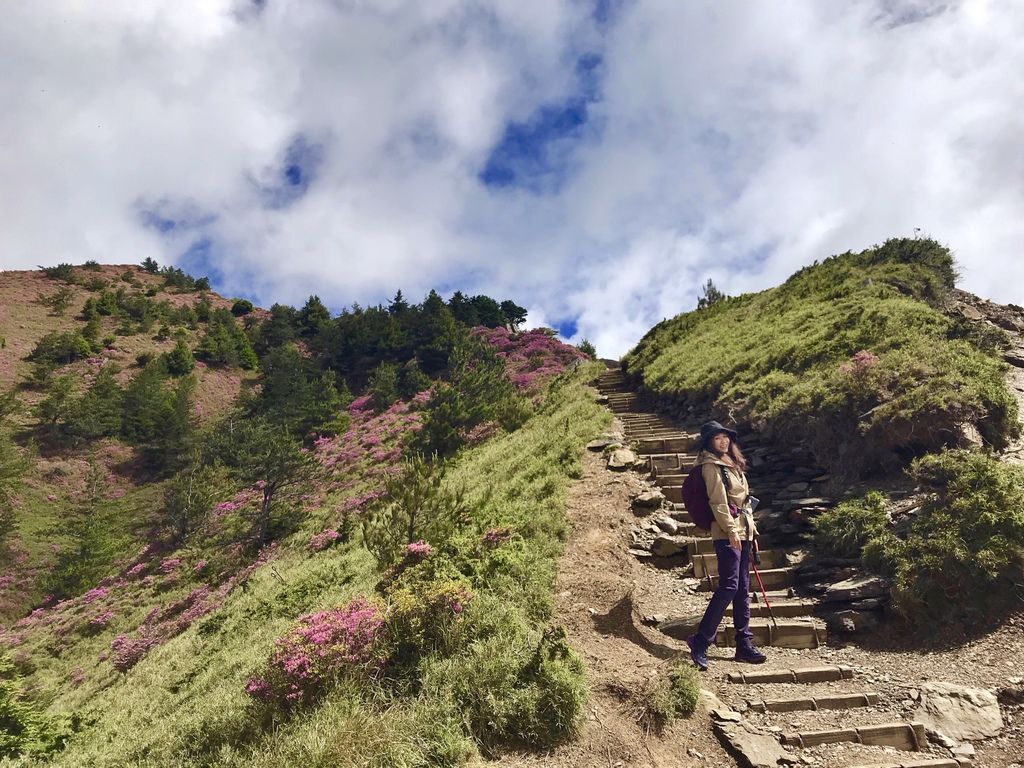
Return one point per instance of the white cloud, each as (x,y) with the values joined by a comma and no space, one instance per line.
(728,140)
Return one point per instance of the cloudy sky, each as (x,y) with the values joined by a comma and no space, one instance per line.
(594,160)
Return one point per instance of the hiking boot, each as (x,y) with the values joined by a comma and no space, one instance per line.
(747,653)
(698,652)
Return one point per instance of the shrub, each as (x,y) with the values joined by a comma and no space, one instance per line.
(23,729)
(241,307)
(92,265)
(320,648)
(65,272)
(515,687)
(674,693)
(383,386)
(416,505)
(59,348)
(587,349)
(844,530)
(179,360)
(963,558)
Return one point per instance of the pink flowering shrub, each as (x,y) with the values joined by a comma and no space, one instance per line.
(95,594)
(860,363)
(418,550)
(322,646)
(323,540)
(127,651)
(100,621)
(495,536)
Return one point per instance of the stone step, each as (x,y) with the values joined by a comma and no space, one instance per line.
(909,737)
(788,634)
(707,564)
(802,675)
(814,703)
(772,578)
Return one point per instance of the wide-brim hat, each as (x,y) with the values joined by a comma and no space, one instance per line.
(709,430)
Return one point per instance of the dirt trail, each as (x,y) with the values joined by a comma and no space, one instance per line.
(598,588)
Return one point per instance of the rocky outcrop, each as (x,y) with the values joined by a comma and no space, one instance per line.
(959,713)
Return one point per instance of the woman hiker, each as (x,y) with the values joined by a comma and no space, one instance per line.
(723,468)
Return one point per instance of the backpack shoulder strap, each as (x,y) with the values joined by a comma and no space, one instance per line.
(725,478)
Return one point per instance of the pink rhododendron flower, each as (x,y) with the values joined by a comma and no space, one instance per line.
(323,540)
(95,594)
(419,549)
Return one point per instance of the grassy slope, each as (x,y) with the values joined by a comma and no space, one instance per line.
(784,359)
(184,704)
(58,481)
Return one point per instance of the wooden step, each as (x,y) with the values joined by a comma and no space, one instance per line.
(842,701)
(788,634)
(941,762)
(700,545)
(707,564)
(664,445)
(674,479)
(782,609)
(673,493)
(772,578)
(906,736)
(802,675)
(782,634)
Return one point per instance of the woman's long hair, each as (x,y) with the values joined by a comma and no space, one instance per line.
(734,453)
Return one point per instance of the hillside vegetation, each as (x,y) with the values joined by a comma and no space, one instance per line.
(310,570)
(853,356)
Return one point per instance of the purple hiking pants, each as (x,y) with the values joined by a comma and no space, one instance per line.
(733,587)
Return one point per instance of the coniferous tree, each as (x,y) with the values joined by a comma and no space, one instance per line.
(179,360)
(313,318)
(259,453)
(515,315)
(99,411)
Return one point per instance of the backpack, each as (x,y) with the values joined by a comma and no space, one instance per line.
(695,497)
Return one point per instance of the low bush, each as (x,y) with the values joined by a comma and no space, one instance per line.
(321,647)
(844,530)
(960,559)
(672,694)
(24,730)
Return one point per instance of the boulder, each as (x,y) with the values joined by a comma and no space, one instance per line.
(621,459)
(603,442)
(668,525)
(856,589)
(666,546)
(647,501)
(851,622)
(958,712)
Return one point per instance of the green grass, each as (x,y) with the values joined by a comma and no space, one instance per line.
(509,681)
(852,355)
(674,693)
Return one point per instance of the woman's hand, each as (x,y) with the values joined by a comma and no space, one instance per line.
(734,541)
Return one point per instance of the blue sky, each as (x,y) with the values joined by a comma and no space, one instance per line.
(594,161)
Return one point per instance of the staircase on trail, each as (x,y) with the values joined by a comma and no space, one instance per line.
(758,737)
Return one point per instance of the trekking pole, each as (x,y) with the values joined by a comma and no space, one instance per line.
(755,557)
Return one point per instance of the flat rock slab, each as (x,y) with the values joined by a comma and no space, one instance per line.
(856,589)
(804,675)
(906,736)
(622,458)
(750,747)
(960,713)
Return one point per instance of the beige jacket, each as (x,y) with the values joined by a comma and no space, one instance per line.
(725,525)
